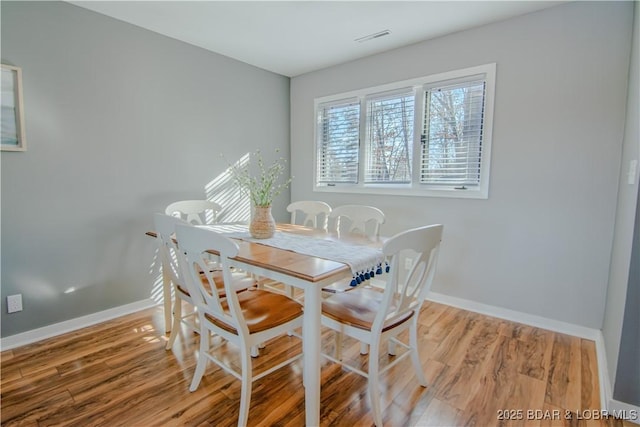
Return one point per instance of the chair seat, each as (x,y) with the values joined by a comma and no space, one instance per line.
(262,310)
(241,282)
(358,308)
(213,266)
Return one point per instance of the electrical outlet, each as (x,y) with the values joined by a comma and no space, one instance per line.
(408,263)
(14,303)
(633,168)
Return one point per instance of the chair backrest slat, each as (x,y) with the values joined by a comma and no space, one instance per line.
(165,226)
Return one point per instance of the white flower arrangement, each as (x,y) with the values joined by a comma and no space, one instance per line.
(261,189)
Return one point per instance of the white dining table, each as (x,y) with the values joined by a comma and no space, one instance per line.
(310,274)
(306,272)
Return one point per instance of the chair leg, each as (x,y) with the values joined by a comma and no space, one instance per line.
(255,350)
(391,347)
(175,328)
(205,343)
(364,348)
(289,291)
(374,391)
(415,356)
(245,392)
(338,344)
(166,297)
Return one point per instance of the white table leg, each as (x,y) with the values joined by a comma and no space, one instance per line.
(311,348)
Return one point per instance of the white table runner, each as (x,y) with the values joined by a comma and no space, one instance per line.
(364,261)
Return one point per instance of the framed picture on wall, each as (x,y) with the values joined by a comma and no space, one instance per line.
(12,115)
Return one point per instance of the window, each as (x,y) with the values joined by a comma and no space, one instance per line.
(389,138)
(425,137)
(338,142)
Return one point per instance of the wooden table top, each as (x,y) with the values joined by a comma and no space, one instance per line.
(305,267)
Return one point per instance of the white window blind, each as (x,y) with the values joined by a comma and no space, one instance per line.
(427,136)
(452,135)
(389,141)
(338,142)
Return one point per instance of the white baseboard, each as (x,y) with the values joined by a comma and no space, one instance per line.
(516,316)
(603,373)
(39,334)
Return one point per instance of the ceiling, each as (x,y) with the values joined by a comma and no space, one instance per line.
(296,37)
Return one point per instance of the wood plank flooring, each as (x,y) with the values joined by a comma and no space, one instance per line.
(481,371)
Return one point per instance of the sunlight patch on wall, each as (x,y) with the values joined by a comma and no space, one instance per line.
(155,270)
(236,206)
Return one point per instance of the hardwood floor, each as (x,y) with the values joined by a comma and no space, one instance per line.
(482,371)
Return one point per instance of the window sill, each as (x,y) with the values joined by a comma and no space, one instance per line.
(405,190)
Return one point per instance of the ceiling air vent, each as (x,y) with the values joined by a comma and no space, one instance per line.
(373,36)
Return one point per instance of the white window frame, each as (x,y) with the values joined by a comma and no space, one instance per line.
(487,72)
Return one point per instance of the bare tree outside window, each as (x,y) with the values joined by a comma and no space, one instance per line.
(452,138)
(390,139)
(339,143)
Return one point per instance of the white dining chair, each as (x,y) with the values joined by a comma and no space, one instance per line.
(373,316)
(313,213)
(354,219)
(362,219)
(245,319)
(195,211)
(168,250)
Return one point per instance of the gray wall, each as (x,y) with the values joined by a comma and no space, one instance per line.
(627,381)
(541,244)
(621,327)
(119,122)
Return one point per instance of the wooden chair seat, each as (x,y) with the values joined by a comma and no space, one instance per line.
(240,283)
(359,309)
(262,310)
